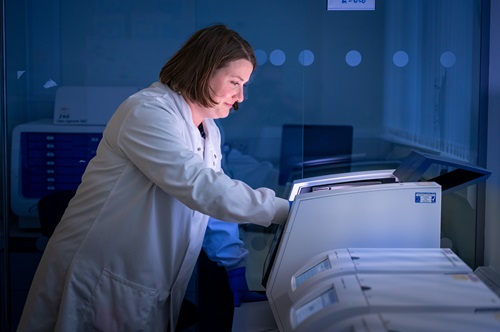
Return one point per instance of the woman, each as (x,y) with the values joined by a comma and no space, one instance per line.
(123,253)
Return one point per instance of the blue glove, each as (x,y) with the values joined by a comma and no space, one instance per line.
(239,287)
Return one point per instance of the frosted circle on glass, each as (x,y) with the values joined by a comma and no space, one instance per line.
(261,56)
(306,58)
(353,58)
(448,59)
(277,57)
(400,58)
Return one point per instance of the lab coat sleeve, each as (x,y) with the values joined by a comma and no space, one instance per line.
(223,245)
(155,139)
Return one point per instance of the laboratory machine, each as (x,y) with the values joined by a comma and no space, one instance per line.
(398,208)
(389,215)
(418,322)
(333,300)
(348,261)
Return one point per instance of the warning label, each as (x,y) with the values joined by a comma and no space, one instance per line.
(425,197)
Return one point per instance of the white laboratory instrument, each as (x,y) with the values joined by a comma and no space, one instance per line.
(428,322)
(347,261)
(333,300)
(398,208)
(387,215)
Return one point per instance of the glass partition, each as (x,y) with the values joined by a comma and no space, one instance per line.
(334,91)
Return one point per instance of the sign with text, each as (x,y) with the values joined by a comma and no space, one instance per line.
(351,5)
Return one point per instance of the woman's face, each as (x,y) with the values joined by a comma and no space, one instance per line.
(227,87)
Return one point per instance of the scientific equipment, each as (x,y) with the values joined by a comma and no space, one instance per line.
(333,300)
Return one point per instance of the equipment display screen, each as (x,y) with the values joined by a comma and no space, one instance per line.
(310,308)
(323,266)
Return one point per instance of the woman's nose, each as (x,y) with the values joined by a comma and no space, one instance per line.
(240,95)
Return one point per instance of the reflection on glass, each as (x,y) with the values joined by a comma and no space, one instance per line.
(50,84)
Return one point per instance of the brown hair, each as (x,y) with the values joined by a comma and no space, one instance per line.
(207,50)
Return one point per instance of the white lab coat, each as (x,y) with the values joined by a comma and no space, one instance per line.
(123,253)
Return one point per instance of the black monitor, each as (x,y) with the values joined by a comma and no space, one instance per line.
(450,174)
(311,150)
